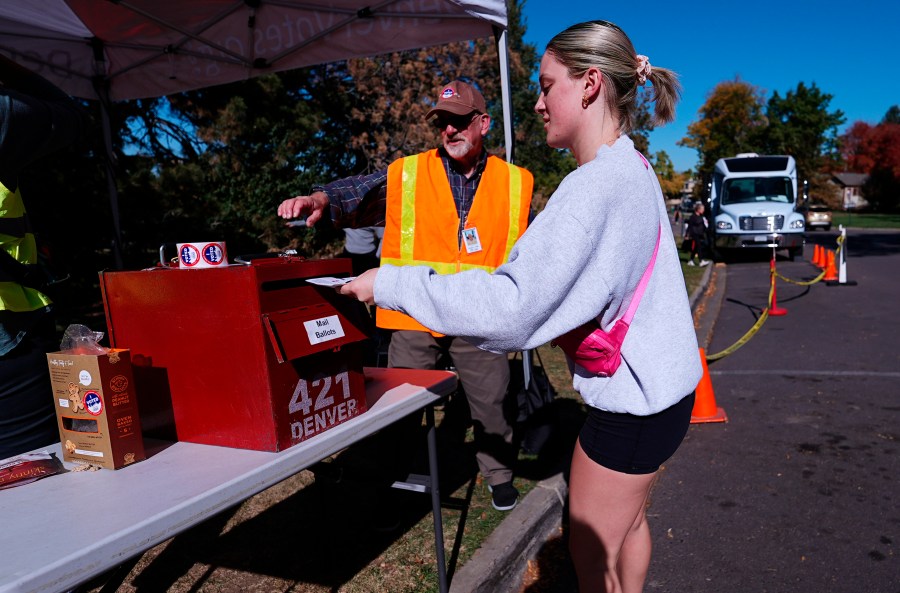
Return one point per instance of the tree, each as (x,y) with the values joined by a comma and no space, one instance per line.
(257,146)
(729,124)
(548,165)
(265,139)
(853,155)
(801,125)
(643,121)
(671,182)
(892,116)
(875,150)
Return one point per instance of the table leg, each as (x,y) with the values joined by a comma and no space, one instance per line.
(436,501)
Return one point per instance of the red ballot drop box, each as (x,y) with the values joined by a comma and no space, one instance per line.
(250,355)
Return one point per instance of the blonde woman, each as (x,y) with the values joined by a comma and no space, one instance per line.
(579,262)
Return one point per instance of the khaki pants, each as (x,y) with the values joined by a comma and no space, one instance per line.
(484,376)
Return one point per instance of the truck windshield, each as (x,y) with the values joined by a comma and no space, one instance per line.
(758,189)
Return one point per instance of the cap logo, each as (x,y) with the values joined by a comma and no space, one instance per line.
(448,92)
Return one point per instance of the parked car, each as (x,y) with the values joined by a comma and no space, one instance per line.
(818,216)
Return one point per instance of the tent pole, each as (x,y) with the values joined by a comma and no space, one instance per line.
(505,93)
(101,87)
(113,191)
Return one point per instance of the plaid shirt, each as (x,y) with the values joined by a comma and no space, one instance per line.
(361,200)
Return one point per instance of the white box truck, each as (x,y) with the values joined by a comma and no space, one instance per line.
(754,204)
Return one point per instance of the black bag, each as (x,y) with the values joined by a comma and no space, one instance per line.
(536,416)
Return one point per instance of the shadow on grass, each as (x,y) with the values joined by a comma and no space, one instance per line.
(323,534)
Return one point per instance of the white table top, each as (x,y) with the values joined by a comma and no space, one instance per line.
(62,530)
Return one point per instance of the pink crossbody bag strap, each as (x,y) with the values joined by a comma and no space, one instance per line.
(599,351)
(645,279)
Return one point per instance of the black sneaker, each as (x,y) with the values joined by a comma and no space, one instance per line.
(504,496)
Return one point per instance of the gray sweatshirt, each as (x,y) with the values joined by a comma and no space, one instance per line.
(580,259)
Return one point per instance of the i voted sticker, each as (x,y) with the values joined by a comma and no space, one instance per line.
(189,255)
(202,255)
(93,403)
(213,254)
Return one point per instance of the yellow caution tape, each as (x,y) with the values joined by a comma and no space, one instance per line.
(837,254)
(765,313)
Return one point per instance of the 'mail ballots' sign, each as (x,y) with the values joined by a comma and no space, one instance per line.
(324,329)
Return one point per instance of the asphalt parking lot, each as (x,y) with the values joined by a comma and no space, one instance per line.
(798,490)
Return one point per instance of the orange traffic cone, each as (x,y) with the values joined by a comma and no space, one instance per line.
(817,257)
(830,270)
(705,409)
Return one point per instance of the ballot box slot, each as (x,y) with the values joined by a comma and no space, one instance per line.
(308,330)
(285,284)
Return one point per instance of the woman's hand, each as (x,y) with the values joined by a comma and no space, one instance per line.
(363,288)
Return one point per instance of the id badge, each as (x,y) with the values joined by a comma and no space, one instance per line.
(471,240)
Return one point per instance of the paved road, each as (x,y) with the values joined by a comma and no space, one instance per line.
(798,491)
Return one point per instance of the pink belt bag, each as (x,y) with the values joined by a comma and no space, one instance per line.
(598,351)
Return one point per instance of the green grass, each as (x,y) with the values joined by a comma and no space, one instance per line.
(865,220)
(692,274)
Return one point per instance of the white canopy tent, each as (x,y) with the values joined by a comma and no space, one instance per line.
(112,50)
(128,49)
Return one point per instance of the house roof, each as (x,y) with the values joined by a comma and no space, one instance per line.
(851,179)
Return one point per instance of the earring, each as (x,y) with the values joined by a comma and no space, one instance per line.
(584,101)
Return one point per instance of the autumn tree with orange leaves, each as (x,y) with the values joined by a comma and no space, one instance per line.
(875,150)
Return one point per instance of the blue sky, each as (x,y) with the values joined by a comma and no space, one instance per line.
(850,50)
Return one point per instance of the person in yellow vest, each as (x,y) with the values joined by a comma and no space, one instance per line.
(36,119)
(452,208)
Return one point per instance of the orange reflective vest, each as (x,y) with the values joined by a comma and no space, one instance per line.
(422,225)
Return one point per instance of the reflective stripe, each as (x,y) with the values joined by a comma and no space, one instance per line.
(11,204)
(515,208)
(408,208)
(21,246)
(439,267)
(18,298)
(22,249)
(464,267)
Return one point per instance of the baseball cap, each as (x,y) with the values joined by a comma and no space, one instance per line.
(458,98)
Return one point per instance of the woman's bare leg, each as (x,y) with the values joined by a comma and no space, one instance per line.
(609,539)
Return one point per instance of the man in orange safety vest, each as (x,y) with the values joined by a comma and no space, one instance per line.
(452,208)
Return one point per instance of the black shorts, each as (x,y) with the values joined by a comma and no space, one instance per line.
(635,444)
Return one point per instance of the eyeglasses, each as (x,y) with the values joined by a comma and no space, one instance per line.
(459,122)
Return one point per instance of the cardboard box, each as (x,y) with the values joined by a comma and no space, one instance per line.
(96,408)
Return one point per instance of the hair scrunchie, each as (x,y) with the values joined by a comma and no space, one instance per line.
(643,69)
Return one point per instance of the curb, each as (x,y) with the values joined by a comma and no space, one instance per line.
(500,563)
(701,288)
(707,301)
